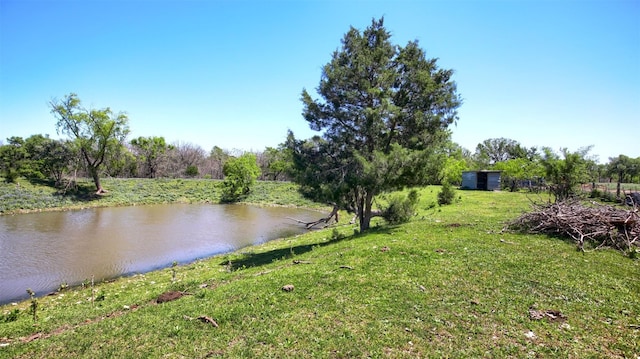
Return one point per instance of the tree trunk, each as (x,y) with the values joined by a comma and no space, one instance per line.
(618,186)
(514,185)
(365,217)
(96,180)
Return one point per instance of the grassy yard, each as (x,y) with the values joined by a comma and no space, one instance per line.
(450,283)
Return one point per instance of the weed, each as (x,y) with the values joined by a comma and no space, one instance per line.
(100,296)
(200,294)
(336,235)
(63,286)
(33,306)
(11,316)
(173,271)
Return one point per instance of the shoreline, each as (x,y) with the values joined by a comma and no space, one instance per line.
(180,193)
(26,197)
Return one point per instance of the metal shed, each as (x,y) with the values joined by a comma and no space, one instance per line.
(482,180)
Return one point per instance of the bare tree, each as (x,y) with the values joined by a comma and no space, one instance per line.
(184,158)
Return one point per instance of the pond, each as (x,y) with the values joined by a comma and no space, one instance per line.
(43,250)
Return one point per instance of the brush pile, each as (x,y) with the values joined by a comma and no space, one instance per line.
(598,225)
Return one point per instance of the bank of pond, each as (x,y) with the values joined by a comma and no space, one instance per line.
(43,251)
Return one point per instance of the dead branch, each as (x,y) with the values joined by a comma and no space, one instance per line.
(324,220)
(600,225)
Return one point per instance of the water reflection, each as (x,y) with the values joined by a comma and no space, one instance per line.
(43,250)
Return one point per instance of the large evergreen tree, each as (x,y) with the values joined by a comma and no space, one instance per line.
(384,110)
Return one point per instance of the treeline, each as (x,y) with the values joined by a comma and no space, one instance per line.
(541,167)
(97,146)
(41,157)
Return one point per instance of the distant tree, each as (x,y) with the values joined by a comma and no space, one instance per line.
(150,152)
(517,170)
(634,173)
(277,162)
(31,165)
(495,150)
(453,164)
(384,112)
(120,162)
(50,158)
(217,158)
(595,171)
(12,157)
(96,132)
(452,170)
(181,157)
(622,167)
(565,174)
(240,174)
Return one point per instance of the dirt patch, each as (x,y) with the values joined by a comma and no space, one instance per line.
(169,296)
(549,314)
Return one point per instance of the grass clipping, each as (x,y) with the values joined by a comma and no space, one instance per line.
(598,225)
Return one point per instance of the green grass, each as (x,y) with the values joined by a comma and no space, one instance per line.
(26,196)
(611,186)
(450,283)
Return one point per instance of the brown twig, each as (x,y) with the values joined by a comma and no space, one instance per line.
(603,226)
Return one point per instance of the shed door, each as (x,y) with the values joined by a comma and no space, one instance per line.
(482,180)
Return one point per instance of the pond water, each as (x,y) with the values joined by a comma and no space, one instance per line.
(43,250)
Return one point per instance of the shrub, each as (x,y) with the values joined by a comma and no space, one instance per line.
(240,174)
(609,197)
(446,194)
(401,208)
(11,176)
(11,316)
(191,171)
(595,193)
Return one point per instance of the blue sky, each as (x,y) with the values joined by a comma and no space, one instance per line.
(230,73)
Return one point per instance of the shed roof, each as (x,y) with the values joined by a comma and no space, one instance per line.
(485,171)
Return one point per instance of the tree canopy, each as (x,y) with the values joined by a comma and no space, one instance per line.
(565,174)
(383,111)
(50,158)
(95,132)
(494,150)
(623,167)
(240,174)
(149,151)
(12,156)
